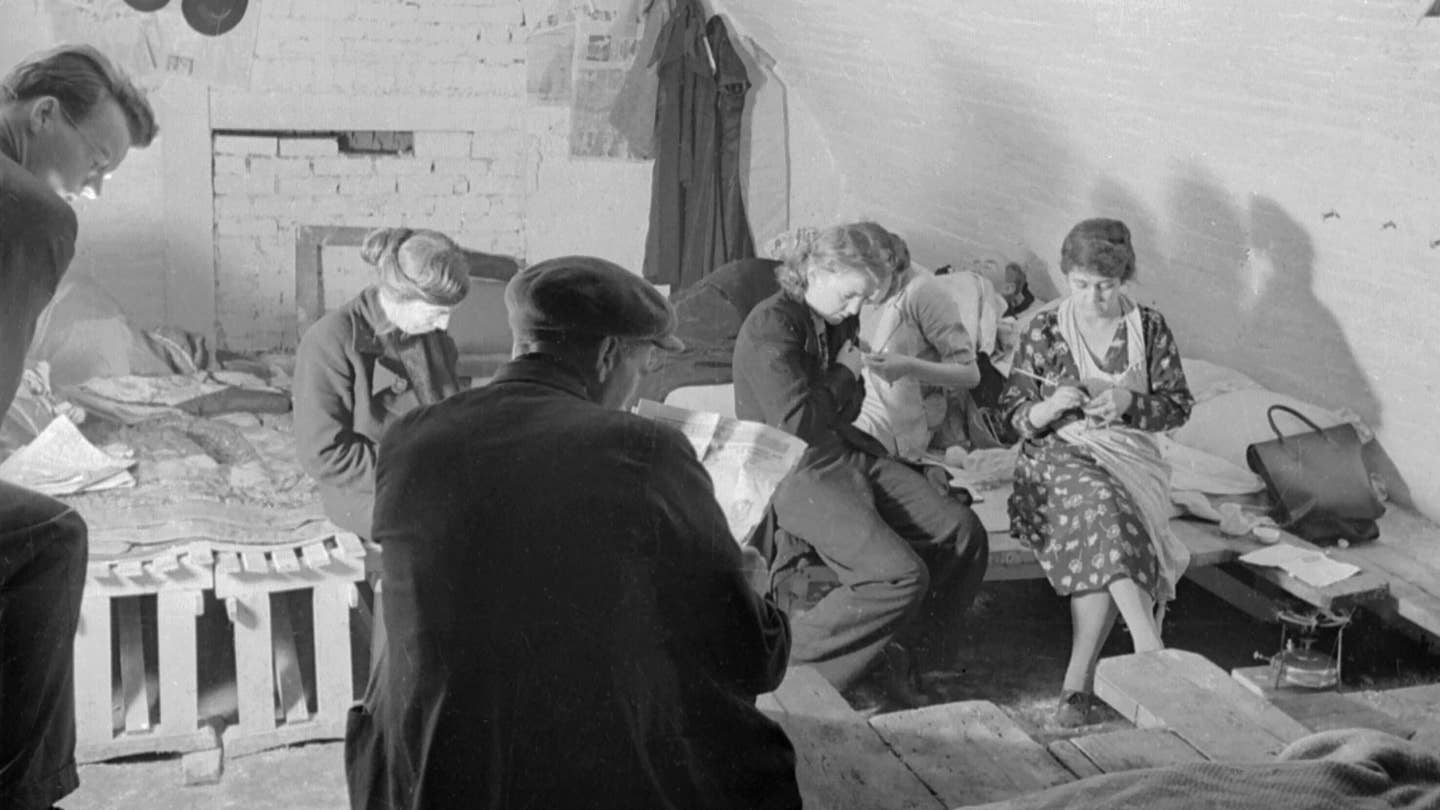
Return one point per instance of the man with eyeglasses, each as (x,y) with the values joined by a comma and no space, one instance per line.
(569,623)
(67,120)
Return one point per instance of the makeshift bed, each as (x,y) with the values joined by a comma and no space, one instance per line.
(218,597)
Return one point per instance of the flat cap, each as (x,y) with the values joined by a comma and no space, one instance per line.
(584,295)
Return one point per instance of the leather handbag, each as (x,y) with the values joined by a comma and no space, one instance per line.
(1317,480)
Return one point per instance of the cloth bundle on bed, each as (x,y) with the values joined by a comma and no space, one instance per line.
(1349,769)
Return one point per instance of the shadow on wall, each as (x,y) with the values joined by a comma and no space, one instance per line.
(764,139)
(992,157)
(1236,286)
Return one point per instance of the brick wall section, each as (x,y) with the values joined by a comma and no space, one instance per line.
(1258,148)
(464,183)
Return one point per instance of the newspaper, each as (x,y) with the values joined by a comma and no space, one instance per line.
(746,460)
(61,461)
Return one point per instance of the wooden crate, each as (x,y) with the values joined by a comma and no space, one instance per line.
(132,712)
(277,704)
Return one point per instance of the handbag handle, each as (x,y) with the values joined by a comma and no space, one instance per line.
(1270,417)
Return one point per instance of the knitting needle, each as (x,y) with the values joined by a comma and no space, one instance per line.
(1032,375)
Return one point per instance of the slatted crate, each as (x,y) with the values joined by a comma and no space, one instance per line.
(280,700)
(122,706)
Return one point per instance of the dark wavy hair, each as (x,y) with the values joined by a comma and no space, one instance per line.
(1100,246)
(418,265)
(79,77)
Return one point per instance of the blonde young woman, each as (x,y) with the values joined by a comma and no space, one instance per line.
(907,556)
(1092,379)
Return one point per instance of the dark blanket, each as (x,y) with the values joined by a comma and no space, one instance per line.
(1348,769)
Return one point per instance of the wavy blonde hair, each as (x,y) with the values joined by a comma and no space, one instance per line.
(855,247)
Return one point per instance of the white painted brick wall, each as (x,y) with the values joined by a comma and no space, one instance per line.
(466,49)
(343,166)
(442,144)
(244,145)
(306,147)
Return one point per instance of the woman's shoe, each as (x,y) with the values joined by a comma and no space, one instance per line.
(1074,709)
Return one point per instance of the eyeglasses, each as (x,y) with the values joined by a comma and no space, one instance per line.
(100,159)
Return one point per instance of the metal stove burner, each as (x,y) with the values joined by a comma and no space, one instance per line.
(1298,663)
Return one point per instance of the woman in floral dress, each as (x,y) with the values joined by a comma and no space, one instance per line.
(1092,378)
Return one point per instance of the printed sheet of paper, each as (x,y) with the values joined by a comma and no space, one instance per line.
(60,461)
(746,460)
(1310,566)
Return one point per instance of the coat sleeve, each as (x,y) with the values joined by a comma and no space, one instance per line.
(1022,392)
(1169,402)
(715,619)
(36,247)
(790,388)
(328,446)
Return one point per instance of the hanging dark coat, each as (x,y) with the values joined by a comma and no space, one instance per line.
(697,212)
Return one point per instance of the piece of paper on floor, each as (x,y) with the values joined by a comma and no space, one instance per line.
(1310,566)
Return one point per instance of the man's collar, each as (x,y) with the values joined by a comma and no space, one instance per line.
(546,370)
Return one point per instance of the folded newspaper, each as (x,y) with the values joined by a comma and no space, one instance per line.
(61,461)
(746,460)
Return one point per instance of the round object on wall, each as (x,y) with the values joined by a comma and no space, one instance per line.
(213,17)
(147,5)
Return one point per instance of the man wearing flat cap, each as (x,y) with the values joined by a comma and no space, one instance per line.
(568,618)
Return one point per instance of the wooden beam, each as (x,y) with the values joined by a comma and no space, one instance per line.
(1197,700)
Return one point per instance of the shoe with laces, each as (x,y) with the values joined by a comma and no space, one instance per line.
(1073,710)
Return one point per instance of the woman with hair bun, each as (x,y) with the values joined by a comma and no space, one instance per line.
(906,556)
(379,355)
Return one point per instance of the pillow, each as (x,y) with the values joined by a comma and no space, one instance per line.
(1225,425)
(1208,380)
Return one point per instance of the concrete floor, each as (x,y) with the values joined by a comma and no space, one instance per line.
(303,777)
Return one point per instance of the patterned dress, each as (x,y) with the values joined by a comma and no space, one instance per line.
(1084,528)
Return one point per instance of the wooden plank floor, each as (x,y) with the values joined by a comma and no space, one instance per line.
(1123,750)
(969,752)
(1322,709)
(841,763)
(1200,702)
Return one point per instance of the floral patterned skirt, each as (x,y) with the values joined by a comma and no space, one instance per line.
(1081,523)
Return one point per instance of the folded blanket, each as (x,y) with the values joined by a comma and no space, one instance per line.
(1349,769)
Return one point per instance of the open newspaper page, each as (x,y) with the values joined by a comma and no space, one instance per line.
(746,460)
